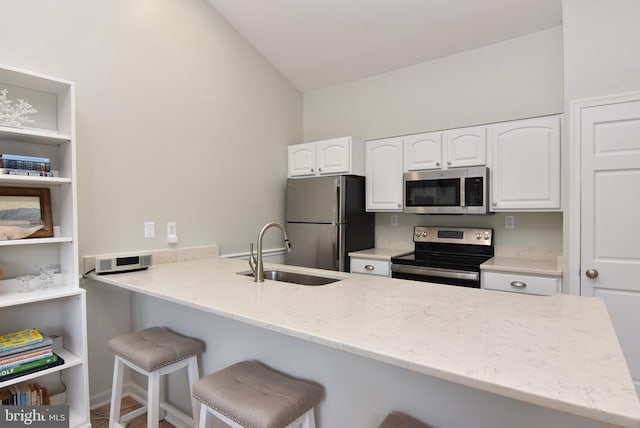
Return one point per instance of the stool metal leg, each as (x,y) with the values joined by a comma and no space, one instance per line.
(116,391)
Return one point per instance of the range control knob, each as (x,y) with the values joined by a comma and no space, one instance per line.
(486,236)
(478,236)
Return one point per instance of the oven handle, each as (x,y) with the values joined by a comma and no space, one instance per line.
(437,272)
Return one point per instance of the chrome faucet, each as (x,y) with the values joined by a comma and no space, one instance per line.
(256,263)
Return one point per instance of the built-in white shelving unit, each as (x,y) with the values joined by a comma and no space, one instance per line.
(60,309)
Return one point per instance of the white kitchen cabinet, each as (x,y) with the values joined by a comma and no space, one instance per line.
(543,285)
(302,160)
(61,309)
(453,148)
(525,169)
(370,266)
(337,156)
(384,160)
(465,147)
(423,151)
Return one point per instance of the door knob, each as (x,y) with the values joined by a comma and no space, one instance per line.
(591,273)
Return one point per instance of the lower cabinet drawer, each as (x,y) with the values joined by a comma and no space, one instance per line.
(371,267)
(519,283)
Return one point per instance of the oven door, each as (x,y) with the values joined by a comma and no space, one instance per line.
(435,192)
(438,275)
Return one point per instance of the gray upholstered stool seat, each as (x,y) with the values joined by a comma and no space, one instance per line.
(400,420)
(153,352)
(155,347)
(250,394)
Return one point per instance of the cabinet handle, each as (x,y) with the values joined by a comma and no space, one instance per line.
(437,163)
(591,273)
(518,284)
(399,205)
(494,203)
(311,169)
(319,169)
(448,162)
(369,267)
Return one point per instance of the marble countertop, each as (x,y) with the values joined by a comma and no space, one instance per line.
(378,253)
(557,351)
(536,266)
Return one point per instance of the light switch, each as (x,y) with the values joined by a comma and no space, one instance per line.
(149,229)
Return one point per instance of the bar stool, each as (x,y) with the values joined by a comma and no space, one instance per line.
(249,394)
(400,420)
(153,352)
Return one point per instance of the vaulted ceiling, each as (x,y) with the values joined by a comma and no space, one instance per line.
(321,43)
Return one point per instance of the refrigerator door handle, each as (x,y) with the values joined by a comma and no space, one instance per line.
(337,207)
(336,249)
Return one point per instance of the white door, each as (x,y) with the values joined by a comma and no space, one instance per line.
(465,147)
(384,174)
(423,151)
(610,207)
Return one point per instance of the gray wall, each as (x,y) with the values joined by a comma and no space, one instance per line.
(178,119)
(518,78)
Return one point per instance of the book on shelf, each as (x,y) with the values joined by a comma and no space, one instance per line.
(24,393)
(26,172)
(31,367)
(19,338)
(25,162)
(10,156)
(47,341)
(34,356)
(13,360)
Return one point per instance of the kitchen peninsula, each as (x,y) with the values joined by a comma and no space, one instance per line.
(556,352)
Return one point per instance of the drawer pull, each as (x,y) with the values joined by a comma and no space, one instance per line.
(518,284)
(369,267)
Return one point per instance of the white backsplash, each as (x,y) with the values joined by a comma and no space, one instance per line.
(536,235)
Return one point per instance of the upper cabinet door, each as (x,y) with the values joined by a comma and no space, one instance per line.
(423,151)
(302,160)
(384,174)
(525,171)
(465,147)
(334,156)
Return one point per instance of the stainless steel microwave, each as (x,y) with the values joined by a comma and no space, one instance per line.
(451,191)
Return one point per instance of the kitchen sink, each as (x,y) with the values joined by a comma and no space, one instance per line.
(294,277)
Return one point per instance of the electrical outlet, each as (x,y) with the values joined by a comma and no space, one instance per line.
(149,229)
(509,222)
(172,234)
(394,219)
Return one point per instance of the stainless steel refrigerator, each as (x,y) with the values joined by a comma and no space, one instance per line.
(326,219)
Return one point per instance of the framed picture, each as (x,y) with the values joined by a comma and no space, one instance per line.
(25,213)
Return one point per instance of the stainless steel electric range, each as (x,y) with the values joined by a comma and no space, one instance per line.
(445,255)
